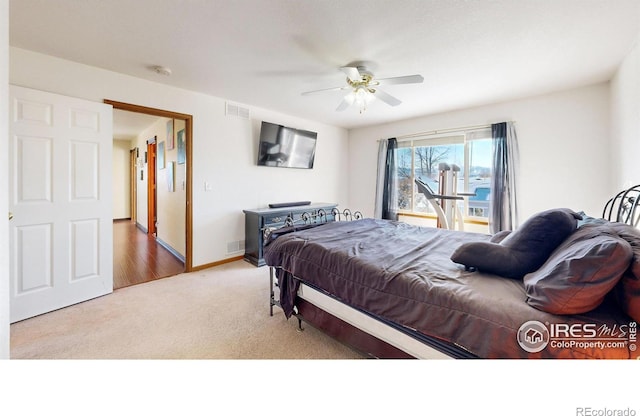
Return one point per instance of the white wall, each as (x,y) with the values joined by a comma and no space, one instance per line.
(625,121)
(171,210)
(224,147)
(4,186)
(563,139)
(121,175)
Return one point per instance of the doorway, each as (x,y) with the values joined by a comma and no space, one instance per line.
(151,151)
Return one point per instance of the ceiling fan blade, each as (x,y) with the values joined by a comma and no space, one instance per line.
(383,96)
(352,73)
(407,79)
(344,104)
(325,90)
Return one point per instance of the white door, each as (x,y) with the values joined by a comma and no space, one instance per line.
(61,234)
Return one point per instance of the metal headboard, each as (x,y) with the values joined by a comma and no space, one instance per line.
(624,207)
(320,216)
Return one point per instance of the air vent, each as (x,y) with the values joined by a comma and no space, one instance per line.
(237,111)
(243,112)
(235,246)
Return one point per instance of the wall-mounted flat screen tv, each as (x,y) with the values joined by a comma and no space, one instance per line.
(286,147)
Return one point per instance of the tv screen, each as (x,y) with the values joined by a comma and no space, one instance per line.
(286,147)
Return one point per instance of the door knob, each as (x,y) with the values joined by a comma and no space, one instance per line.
(10,215)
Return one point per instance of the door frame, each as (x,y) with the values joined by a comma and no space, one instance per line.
(133,184)
(188,119)
(152,196)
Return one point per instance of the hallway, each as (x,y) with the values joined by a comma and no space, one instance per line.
(137,258)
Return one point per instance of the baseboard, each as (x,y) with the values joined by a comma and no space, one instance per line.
(216,263)
(170,249)
(141,228)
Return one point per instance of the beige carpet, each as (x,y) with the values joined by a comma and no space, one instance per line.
(236,359)
(218,313)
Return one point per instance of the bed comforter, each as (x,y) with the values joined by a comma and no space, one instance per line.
(403,274)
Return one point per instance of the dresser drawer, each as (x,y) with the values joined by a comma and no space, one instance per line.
(275,220)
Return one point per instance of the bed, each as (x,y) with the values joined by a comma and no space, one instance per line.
(563,285)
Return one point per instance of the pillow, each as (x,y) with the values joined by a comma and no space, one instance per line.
(629,295)
(579,274)
(522,251)
(627,291)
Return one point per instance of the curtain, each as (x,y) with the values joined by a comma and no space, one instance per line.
(382,159)
(386,206)
(503,213)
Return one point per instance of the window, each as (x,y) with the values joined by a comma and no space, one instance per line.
(421,158)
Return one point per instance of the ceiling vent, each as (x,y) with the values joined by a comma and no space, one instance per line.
(237,111)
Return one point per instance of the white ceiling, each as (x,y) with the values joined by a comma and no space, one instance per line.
(267,52)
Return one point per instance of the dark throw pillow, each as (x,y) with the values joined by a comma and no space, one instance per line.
(629,294)
(522,251)
(579,274)
(627,291)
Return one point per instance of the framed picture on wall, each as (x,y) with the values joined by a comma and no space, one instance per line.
(160,156)
(170,140)
(181,149)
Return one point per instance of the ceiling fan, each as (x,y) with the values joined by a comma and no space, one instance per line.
(363,88)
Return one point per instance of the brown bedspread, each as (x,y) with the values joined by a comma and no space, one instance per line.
(403,274)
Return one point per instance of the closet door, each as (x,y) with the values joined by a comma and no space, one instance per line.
(61,234)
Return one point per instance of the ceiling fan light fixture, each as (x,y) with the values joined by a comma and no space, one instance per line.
(362,96)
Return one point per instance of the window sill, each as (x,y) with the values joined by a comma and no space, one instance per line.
(477,221)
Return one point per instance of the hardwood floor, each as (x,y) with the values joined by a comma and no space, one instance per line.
(137,258)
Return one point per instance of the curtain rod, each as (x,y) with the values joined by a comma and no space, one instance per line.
(442,131)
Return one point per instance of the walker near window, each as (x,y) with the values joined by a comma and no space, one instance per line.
(455,167)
